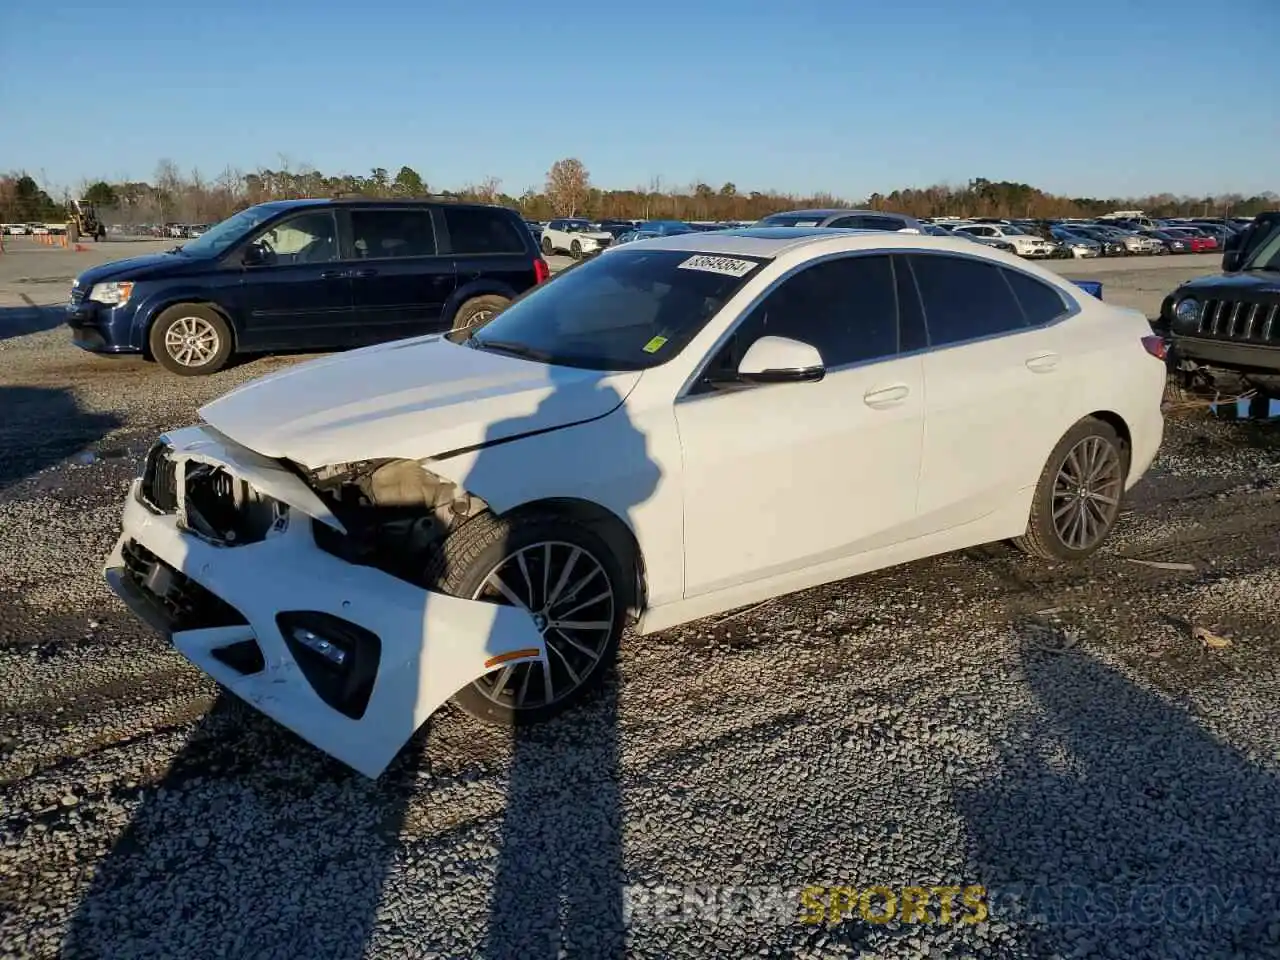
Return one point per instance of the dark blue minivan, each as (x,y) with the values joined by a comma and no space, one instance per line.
(308,275)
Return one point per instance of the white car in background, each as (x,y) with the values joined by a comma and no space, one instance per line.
(577,238)
(688,425)
(1024,244)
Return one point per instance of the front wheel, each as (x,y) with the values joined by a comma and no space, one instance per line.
(575,250)
(571,584)
(1078,496)
(547,248)
(191,340)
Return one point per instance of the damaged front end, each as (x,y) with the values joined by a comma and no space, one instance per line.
(302,592)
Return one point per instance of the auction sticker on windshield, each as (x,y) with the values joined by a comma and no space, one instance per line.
(729,266)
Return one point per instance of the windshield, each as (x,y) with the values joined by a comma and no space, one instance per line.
(1012,231)
(222,235)
(577,226)
(1266,256)
(630,310)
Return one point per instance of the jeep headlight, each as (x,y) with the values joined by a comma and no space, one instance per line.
(1187,310)
(116,293)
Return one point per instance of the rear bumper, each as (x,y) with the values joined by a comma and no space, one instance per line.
(427,645)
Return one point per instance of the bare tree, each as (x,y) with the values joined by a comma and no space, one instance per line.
(568,184)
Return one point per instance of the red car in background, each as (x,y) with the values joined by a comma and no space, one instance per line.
(1197,240)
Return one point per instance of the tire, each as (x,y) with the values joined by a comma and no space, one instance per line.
(1070,536)
(478,311)
(547,249)
(487,545)
(187,327)
(575,250)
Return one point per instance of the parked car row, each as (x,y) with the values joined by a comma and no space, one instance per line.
(32,229)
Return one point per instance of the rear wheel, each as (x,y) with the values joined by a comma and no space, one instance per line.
(481,310)
(191,340)
(1078,496)
(573,587)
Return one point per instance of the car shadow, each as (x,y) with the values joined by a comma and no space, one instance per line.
(1178,855)
(252,843)
(43,426)
(34,318)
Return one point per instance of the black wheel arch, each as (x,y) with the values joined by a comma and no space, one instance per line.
(612,529)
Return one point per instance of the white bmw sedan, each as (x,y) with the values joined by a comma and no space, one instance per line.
(685,426)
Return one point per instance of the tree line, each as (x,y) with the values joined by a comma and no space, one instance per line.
(172,196)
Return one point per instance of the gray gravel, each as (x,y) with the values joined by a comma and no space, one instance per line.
(1053,733)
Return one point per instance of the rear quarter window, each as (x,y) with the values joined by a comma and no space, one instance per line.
(473,231)
(1040,302)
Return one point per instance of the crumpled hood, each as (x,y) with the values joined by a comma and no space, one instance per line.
(410,399)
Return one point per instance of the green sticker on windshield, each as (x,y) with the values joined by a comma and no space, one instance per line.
(654,345)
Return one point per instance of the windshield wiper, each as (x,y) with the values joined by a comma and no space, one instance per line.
(511,347)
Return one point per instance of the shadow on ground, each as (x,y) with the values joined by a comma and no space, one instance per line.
(42,426)
(21,321)
(1098,839)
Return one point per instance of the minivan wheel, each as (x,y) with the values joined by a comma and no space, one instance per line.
(1079,493)
(481,310)
(191,340)
(572,585)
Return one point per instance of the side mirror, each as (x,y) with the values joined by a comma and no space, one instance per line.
(781,360)
(1233,251)
(255,255)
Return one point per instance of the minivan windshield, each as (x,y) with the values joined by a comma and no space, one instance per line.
(627,310)
(222,235)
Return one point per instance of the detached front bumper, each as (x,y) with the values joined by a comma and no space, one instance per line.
(351,659)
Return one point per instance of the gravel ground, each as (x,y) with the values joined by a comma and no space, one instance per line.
(1054,734)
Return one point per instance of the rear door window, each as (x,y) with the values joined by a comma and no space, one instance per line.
(473,230)
(964,299)
(379,234)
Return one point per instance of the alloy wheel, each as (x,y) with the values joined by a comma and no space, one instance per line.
(571,599)
(1086,493)
(191,341)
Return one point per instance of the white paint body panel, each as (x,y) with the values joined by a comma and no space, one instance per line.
(432,644)
(732,497)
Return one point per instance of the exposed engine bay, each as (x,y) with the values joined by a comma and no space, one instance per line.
(395,512)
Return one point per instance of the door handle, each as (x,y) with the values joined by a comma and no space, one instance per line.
(332,274)
(886,397)
(366,272)
(1043,362)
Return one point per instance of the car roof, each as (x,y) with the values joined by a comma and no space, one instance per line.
(772,242)
(837,212)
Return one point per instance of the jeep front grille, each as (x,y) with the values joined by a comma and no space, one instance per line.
(1239,320)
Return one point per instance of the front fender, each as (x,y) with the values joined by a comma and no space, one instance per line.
(156,303)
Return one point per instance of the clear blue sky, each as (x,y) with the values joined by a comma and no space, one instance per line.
(1085,97)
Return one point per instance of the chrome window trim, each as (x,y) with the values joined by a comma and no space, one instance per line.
(1071,308)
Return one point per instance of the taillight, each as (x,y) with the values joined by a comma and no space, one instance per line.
(1158,347)
(541,272)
